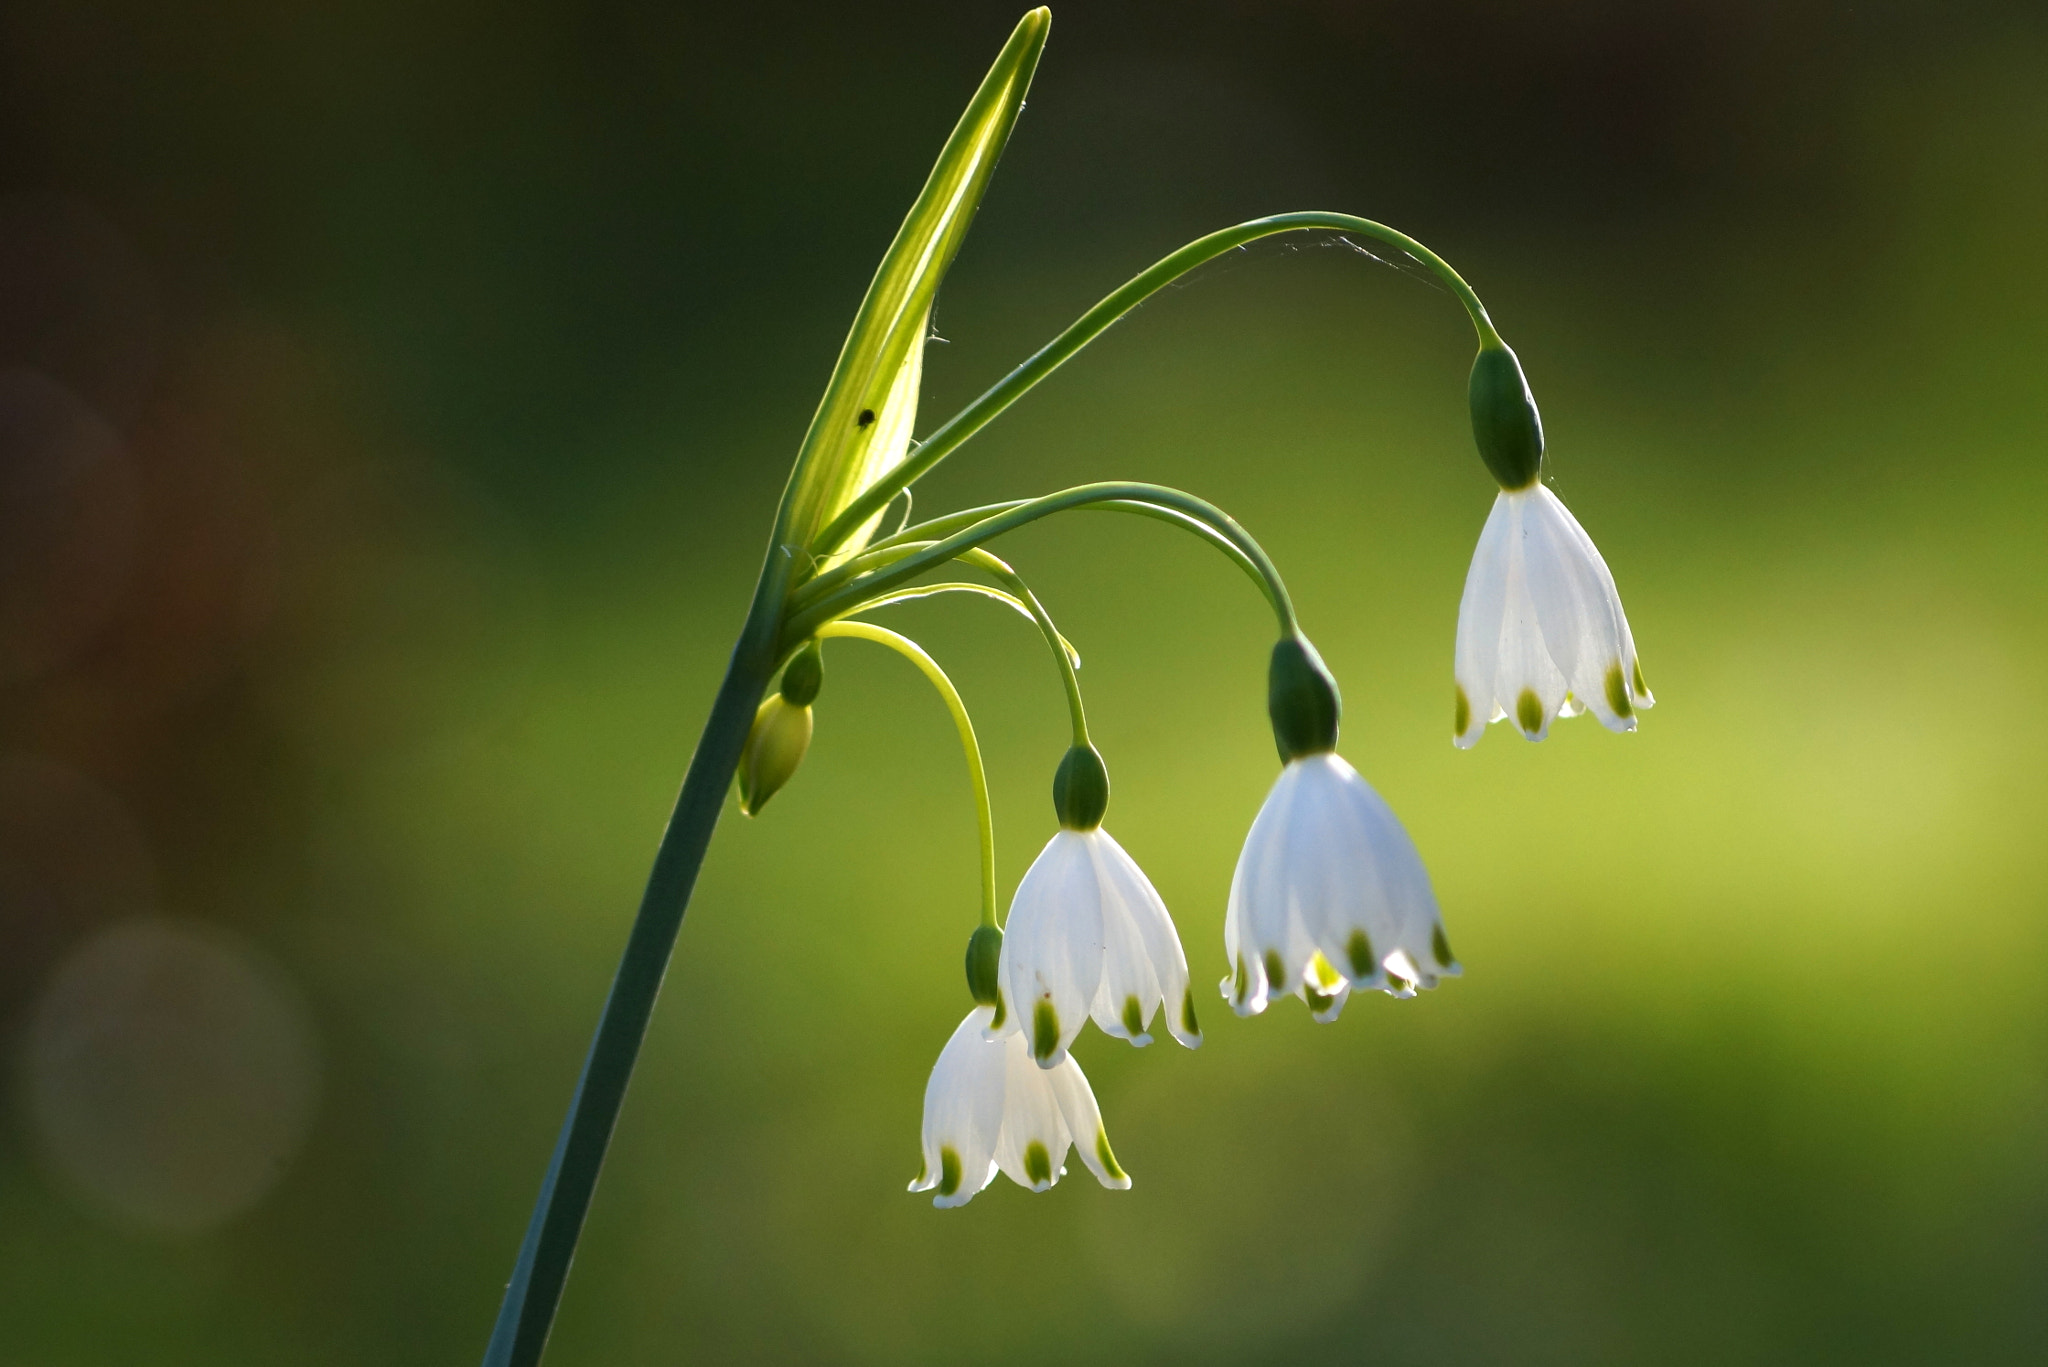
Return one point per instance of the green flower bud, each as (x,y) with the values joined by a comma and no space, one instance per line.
(804,675)
(775,747)
(1080,789)
(1302,699)
(984,953)
(1505,422)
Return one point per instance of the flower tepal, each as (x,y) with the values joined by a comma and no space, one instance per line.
(990,1108)
(1329,896)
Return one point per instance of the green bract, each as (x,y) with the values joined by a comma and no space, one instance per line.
(862,426)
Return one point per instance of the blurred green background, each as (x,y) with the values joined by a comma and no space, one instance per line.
(394,398)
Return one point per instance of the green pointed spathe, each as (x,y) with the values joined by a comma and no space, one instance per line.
(862,426)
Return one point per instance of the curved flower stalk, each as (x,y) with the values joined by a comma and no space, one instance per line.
(989,1108)
(1329,896)
(1541,631)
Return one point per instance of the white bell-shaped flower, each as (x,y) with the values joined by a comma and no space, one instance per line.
(989,1107)
(1329,895)
(1541,633)
(1089,937)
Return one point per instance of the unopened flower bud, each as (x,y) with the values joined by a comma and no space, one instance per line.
(1080,789)
(1505,422)
(984,957)
(775,747)
(1302,699)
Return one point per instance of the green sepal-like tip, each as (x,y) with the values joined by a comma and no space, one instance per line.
(984,955)
(776,744)
(1080,789)
(1302,699)
(804,675)
(1505,423)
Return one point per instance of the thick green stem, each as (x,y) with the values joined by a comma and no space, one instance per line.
(875,572)
(528,1311)
(1098,320)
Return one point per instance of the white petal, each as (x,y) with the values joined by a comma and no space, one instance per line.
(1084,1123)
(1166,962)
(1480,615)
(1262,921)
(963,1113)
(1032,1147)
(1051,966)
(1129,993)
(1592,633)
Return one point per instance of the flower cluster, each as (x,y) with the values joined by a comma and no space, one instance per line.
(1330,895)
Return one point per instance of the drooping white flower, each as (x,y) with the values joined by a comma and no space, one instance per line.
(989,1108)
(1329,895)
(1089,937)
(1541,633)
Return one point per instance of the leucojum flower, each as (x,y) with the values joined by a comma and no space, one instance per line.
(1541,633)
(1330,895)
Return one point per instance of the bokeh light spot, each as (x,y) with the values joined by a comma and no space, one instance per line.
(172,1074)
